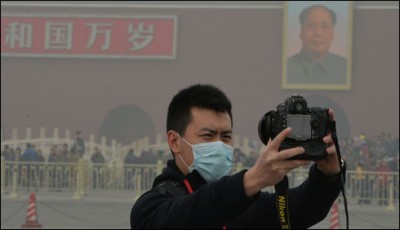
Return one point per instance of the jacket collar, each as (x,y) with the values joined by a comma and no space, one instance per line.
(172,172)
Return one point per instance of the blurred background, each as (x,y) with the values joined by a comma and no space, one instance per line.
(85,88)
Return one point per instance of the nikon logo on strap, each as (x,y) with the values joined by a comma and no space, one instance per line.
(282,202)
(282,211)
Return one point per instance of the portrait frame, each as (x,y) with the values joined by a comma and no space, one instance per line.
(295,69)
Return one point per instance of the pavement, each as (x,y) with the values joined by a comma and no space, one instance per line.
(365,216)
(111,210)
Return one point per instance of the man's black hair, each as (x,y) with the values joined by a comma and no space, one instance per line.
(304,13)
(199,95)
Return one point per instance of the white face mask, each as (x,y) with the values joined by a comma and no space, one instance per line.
(212,160)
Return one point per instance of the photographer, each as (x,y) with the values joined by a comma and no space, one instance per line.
(196,190)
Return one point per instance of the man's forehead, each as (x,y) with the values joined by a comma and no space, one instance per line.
(210,119)
(202,112)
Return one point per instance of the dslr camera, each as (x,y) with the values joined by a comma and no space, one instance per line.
(309,126)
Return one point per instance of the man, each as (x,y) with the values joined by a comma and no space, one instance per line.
(195,189)
(79,144)
(30,153)
(314,64)
(6,153)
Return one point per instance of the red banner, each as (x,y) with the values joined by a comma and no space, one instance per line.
(152,37)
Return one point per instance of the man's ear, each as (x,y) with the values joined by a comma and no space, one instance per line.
(173,140)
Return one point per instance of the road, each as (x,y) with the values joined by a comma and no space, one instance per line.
(111,211)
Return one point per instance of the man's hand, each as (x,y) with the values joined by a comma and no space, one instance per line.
(272,165)
(330,164)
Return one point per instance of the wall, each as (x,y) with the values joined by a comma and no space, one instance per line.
(237,49)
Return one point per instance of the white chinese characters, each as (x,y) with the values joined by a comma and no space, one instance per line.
(18,35)
(65,35)
(58,35)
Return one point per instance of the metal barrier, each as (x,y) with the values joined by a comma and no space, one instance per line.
(83,178)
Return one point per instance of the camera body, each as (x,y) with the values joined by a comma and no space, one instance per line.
(309,126)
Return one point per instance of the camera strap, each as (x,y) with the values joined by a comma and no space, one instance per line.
(282,188)
(282,202)
(342,165)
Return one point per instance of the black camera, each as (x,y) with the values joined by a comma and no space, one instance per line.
(309,126)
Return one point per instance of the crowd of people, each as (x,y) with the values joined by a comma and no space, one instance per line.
(371,153)
(362,154)
(360,151)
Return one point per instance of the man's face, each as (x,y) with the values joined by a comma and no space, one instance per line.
(206,126)
(317,32)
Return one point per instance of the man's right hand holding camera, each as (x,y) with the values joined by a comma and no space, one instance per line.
(329,165)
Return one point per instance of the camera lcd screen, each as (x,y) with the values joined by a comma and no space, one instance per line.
(301,126)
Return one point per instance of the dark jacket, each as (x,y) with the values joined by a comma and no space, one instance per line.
(224,202)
